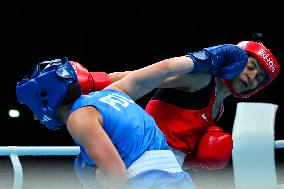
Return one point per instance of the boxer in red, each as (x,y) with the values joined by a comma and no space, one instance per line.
(187,107)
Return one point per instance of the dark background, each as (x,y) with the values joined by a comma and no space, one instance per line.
(123,35)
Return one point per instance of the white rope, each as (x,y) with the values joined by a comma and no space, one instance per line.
(40,150)
(15,151)
(279,144)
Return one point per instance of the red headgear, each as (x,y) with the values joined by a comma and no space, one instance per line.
(267,61)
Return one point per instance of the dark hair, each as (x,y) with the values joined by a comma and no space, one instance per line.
(74,92)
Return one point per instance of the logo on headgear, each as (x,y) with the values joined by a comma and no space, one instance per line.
(268,60)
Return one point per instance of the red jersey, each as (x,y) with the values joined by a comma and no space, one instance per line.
(183,117)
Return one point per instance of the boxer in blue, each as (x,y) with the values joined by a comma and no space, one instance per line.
(121,145)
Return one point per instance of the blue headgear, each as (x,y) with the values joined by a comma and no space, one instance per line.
(44,90)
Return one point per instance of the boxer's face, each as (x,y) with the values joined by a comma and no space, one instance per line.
(250,77)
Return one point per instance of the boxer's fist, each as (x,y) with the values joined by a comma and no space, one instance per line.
(213,151)
(224,61)
(90,81)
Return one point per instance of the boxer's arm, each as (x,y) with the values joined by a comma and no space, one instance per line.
(116,76)
(141,81)
(224,61)
(192,82)
(84,125)
(93,81)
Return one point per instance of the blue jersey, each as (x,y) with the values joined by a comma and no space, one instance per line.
(130,128)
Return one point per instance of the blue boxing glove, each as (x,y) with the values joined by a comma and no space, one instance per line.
(224,61)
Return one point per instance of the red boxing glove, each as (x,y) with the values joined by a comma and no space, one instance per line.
(90,81)
(213,151)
